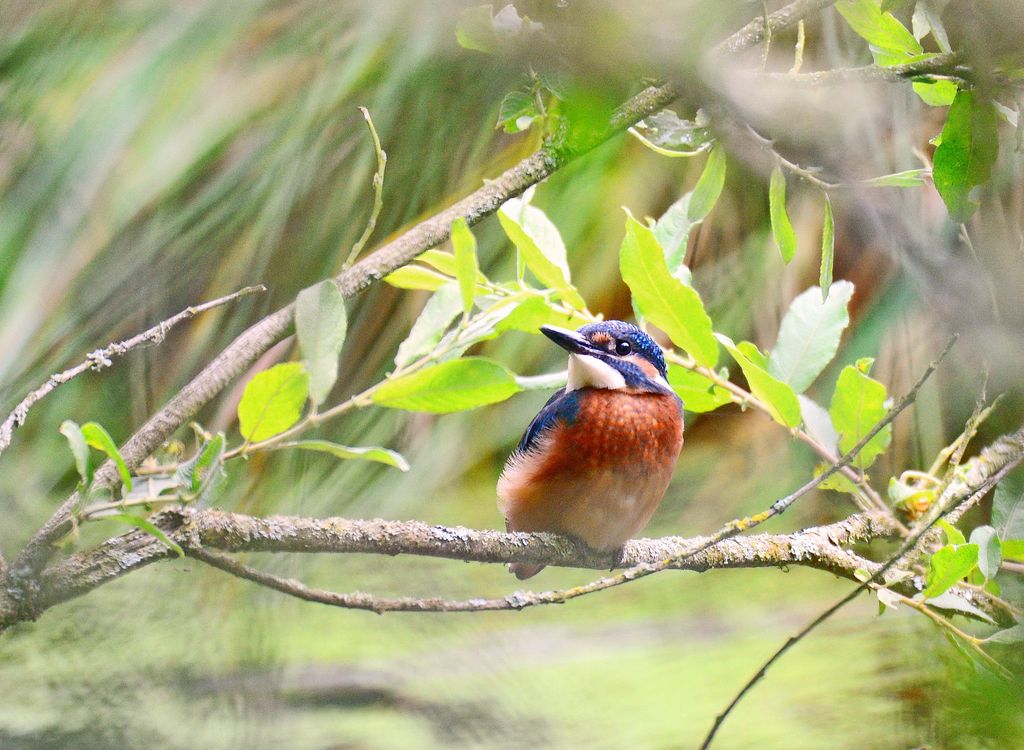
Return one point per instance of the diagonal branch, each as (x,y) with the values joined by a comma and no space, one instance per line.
(255,340)
(102,358)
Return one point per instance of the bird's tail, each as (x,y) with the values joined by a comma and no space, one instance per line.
(522,571)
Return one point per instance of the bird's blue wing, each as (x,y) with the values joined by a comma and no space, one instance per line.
(561,407)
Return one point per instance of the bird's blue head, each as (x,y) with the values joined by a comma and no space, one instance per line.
(611,354)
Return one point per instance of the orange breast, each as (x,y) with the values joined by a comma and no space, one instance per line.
(601,477)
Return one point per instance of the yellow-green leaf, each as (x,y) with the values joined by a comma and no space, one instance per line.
(828,242)
(450,386)
(96,436)
(661,298)
(380,455)
(782,229)
(466,267)
(698,394)
(780,398)
(272,401)
(858,404)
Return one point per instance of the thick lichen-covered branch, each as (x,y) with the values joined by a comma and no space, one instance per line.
(200,531)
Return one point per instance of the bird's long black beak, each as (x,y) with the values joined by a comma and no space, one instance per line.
(569,340)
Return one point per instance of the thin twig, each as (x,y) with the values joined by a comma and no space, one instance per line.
(780,20)
(907,547)
(378,192)
(943,65)
(102,358)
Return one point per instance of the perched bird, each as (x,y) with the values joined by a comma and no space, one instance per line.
(595,462)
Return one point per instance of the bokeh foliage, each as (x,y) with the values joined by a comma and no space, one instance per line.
(157,154)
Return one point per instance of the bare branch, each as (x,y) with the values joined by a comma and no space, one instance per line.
(946,65)
(102,358)
(378,191)
(754,32)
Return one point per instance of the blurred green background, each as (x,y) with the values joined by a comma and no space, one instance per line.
(155,154)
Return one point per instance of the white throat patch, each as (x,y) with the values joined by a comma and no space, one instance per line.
(586,371)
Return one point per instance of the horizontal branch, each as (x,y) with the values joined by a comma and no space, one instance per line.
(199,531)
(945,65)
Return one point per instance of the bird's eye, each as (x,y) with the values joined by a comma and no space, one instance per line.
(622,348)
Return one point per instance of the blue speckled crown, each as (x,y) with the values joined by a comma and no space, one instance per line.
(641,343)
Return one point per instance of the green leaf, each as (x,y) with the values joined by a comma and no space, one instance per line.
(828,242)
(272,401)
(908,178)
(79,449)
(1013,549)
(1008,506)
(949,565)
(466,267)
(540,246)
(990,555)
(858,404)
(380,455)
(837,482)
(1009,635)
(952,601)
(534,312)
(779,397)
(149,527)
(673,229)
(936,93)
(782,229)
(964,158)
(890,40)
(667,134)
(809,335)
(450,386)
(321,325)
(517,111)
(416,277)
(953,534)
(200,474)
(708,187)
(441,309)
(699,394)
(661,298)
(96,436)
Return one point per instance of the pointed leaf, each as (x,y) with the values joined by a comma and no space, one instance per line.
(708,187)
(441,309)
(889,39)
(79,449)
(466,267)
(380,455)
(819,424)
(698,394)
(782,229)
(809,335)
(321,325)
(990,555)
(416,277)
(828,241)
(1010,635)
(96,436)
(450,386)
(540,247)
(957,603)
(907,178)
(949,565)
(661,298)
(272,401)
(858,404)
(780,399)
(964,158)
(1008,506)
(953,534)
(149,527)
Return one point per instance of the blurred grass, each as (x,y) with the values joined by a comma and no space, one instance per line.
(155,154)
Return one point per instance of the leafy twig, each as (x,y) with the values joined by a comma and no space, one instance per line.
(908,546)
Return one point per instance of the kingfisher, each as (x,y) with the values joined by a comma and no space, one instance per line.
(596,460)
